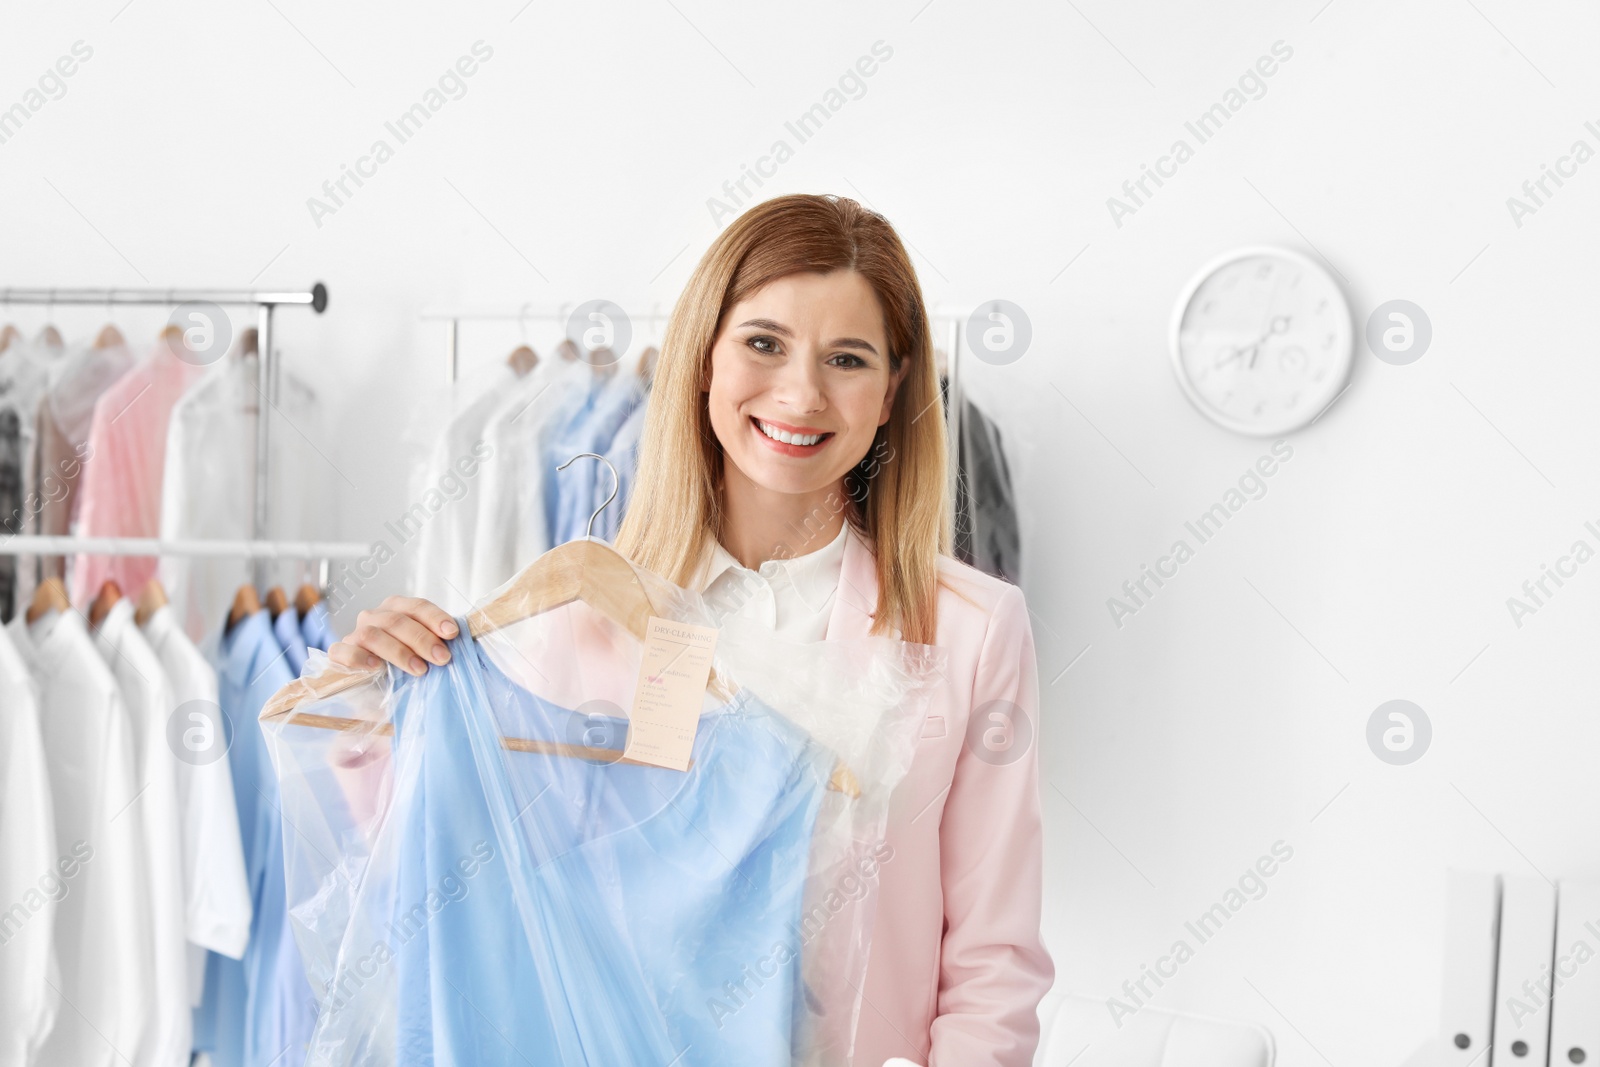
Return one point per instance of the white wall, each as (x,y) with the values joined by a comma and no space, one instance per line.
(1228,714)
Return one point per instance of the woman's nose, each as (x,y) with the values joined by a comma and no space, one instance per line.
(799,385)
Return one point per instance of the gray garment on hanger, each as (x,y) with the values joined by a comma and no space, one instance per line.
(987,534)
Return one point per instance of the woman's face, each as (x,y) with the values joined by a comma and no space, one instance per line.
(800,380)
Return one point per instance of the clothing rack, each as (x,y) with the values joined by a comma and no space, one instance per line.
(527,313)
(266,303)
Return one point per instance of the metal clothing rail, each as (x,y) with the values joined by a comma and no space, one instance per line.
(456,316)
(60,545)
(264,300)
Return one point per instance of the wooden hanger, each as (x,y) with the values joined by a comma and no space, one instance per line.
(171,333)
(586,570)
(151,600)
(50,596)
(306,598)
(109,336)
(522,360)
(9,334)
(277,601)
(245,604)
(51,336)
(110,593)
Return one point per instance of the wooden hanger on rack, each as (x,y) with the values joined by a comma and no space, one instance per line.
(522,360)
(246,602)
(109,336)
(50,596)
(110,593)
(277,601)
(9,334)
(589,571)
(51,336)
(151,600)
(306,598)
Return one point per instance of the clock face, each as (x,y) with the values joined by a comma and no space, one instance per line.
(1261,340)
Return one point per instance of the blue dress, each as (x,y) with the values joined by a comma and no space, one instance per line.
(561,910)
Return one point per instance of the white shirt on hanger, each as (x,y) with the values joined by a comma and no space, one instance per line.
(208,485)
(101,940)
(512,528)
(147,693)
(30,883)
(793,597)
(442,566)
(216,887)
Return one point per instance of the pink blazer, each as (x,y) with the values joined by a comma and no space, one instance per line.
(957,966)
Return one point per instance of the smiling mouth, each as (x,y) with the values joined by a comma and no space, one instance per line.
(788,438)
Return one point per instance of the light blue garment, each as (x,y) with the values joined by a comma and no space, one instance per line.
(286,628)
(317,628)
(623,911)
(583,388)
(624,456)
(258,1011)
(583,486)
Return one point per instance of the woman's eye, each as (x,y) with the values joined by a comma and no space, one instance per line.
(852,360)
(757,342)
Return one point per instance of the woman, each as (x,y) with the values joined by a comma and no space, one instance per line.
(793,468)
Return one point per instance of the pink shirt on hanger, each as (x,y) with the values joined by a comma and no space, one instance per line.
(121,484)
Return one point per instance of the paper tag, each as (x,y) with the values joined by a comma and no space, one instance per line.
(671,690)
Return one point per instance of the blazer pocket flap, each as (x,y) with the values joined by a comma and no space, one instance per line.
(933,726)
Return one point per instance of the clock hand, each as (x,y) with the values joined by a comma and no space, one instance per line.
(1280,324)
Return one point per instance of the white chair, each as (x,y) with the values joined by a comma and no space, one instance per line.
(1152,1038)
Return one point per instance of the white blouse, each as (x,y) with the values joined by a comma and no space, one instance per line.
(793,597)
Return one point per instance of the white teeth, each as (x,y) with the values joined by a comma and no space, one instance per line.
(787,437)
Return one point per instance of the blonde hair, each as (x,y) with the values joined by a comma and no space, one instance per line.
(897,497)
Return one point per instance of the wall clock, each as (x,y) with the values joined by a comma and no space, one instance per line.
(1261,340)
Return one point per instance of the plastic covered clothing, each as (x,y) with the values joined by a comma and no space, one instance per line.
(121,485)
(316,628)
(986,534)
(522,891)
(23,379)
(207,484)
(579,492)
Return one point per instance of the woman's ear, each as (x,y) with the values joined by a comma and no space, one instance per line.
(896,376)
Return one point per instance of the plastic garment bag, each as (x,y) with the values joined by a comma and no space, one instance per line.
(464,893)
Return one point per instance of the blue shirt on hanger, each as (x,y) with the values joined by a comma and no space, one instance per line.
(317,628)
(614,913)
(286,628)
(564,422)
(623,452)
(258,1011)
(579,492)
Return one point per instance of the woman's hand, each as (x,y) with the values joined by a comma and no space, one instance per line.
(404,630)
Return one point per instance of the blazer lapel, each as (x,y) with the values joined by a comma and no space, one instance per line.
(857,596)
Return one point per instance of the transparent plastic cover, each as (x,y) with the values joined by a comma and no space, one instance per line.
(476,875)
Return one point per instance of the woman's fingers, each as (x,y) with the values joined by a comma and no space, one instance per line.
(426,612)
(398,638)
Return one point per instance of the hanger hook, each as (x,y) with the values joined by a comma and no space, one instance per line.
(522,322)
(616,483)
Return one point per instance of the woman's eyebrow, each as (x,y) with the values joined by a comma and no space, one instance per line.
(784,331)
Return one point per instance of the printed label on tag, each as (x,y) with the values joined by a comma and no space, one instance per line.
(672,686)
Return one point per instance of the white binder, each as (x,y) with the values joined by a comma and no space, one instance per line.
(1524,982)
(1575,1018)
(1471,939)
